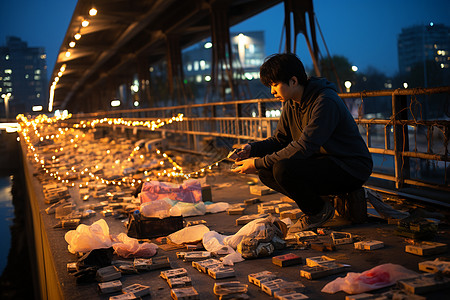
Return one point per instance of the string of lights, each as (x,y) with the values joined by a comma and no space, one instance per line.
(175,171)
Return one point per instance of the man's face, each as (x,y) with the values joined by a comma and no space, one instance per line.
(281,91)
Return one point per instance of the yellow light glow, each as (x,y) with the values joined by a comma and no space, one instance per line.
(68,53)
(72,44)
(85,23)
(77,36)
(93,12)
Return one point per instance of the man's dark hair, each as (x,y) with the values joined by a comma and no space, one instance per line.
(281,67)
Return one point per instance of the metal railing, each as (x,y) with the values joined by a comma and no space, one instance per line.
(389,138)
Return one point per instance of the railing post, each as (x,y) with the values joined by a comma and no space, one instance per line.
(238,114)
(401,139)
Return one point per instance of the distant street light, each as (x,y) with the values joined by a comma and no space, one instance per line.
(115,103)
(405,85)
(348,85)
(354,68)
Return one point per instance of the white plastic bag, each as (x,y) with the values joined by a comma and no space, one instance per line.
(217,207)
(188,235)
(188,209)
(156,209)
(213,242)
(375,278)
(86,238)
(125,246)
(251,227)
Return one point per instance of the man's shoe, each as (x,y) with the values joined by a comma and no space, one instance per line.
(352,206)
(310,222)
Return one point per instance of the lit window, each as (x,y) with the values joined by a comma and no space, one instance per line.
(198,78)
(208,45)
(38,95)
(37,71)
(37,77)
(27,76)
(202,64)
(195,65)
(207,78)
(189,67)
(7,57)
(43,56)
(251,48)
(7,78)
(8,71)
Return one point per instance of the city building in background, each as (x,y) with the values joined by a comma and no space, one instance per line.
(23,78)
(420,44)
(248,50)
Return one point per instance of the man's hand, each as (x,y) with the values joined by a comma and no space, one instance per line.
(246,166)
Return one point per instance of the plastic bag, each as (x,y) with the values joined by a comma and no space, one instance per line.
(188,235)
(156,209)
(375,278)
(213,242)
(86,238)
(128,247)
(188,209)
(216,207)
(190,191)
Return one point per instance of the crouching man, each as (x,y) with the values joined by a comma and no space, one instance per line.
(316,149)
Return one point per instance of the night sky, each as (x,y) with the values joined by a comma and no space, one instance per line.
(363,31)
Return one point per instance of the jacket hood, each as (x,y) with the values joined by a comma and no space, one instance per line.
(314,86)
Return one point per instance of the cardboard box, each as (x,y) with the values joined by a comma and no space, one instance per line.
(426,248)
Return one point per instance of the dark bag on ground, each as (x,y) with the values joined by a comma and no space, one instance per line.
(141,227)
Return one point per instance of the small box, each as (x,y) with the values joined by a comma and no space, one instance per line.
(251,201)
(317,260)
(107,274)
(72,267)
(196,255)
(426,248)
(286,260)
(289,289)
(283,207)
(219,272)
(185,293)
(110,286)
(435,266)
(203,265)
(177,282)
(236,209)
(269,287)
(230,287)
(340,238)
(302,235)
(260,190)
(424,283)
(127,296)
(173,273)
(137,289)
(248,218)
(292,214)
(368,245)
(322,270)
(258,278)
(290,295)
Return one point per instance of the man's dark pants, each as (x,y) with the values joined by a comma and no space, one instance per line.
(305,180)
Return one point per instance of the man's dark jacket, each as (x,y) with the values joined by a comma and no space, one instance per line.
(319,125)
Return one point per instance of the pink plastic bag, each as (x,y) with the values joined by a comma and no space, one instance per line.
(128,247)
(190,191)
(378,277)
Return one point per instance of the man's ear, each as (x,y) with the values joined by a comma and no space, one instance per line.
(294,80)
